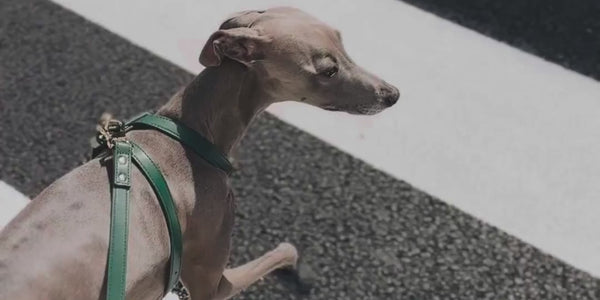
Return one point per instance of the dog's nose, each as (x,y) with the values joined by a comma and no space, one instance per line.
(389,95)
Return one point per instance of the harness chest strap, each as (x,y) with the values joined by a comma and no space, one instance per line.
(160,187)
(124,154)
(117,247)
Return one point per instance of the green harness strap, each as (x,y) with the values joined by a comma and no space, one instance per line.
(185,135)
(125,153)
(117,247)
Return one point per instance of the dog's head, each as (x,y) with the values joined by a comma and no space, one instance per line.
(298,58)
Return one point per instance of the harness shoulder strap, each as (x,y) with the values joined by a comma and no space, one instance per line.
(183,134)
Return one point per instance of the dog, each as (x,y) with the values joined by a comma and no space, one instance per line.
(56,247)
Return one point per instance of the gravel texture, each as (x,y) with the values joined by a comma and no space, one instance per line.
(565,32)
(361,233)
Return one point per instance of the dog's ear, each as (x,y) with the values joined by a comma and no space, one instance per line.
(242,44)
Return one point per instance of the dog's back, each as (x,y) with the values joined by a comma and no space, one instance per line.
(35,261)
(56,247)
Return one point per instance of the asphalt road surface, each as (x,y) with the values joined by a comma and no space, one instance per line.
(361,233)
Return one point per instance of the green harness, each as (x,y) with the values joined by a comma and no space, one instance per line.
(125,153)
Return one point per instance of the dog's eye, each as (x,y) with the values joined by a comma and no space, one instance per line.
(330,72)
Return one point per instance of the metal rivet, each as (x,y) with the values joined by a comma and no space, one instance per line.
(122,160)
(121,177)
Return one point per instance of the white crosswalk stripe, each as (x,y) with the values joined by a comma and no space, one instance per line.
(11,202)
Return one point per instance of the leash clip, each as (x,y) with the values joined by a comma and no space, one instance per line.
(109,130)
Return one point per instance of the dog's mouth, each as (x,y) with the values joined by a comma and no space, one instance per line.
(359,110)
(331,108)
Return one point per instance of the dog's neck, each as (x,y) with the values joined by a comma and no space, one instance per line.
(219,103)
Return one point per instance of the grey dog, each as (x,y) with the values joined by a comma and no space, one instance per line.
(56,247)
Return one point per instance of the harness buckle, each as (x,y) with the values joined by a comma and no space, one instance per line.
(109,130)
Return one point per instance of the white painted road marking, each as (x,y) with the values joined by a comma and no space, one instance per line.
(11,202)
(501,134)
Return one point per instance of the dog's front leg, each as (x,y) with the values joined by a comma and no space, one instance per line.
(236,279)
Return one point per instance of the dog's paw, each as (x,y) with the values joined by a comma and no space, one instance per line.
(289,254)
